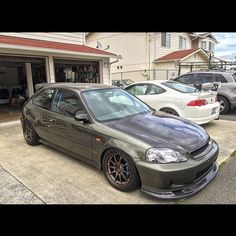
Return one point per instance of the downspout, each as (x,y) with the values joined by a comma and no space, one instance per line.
(117,60)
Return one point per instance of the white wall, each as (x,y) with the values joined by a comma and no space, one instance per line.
(174,44)
(73,38)
(134,48)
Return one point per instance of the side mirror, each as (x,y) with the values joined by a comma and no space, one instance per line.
(82,115)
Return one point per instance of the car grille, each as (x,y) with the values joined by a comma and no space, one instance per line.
(202,151)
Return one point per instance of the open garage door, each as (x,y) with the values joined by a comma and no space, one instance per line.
(18,75)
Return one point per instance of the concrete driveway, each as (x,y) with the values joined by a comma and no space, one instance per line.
(43,175)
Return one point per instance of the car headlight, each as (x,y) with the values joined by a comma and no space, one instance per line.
(164,155)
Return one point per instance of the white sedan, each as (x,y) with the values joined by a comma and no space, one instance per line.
(178,99)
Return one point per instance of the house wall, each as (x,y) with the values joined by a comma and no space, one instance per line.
(134,48)
(207,40)
(174,44)
(73,38)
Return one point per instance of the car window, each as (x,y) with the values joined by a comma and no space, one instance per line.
(204,78)
(154,89)
(139,89)
(220,78)
(66,102)
(186,79)
(183,88)
(44,98)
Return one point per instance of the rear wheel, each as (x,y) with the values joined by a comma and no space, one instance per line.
(170,111)
(120,171)
(224,104)
(30,134)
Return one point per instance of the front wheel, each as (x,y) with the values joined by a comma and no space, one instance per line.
(120,171)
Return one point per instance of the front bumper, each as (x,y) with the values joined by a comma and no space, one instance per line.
(188,190)
(179,180)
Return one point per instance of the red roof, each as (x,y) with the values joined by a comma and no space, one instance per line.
(177,55)
(52,45)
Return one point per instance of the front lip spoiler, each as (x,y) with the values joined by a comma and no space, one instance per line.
(188,190)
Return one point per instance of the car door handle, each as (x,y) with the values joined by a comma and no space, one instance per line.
(52,120)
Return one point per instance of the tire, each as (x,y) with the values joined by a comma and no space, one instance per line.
(170,111)
(120,171)
(30,134)
(224,104)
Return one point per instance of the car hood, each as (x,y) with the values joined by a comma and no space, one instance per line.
(162,130)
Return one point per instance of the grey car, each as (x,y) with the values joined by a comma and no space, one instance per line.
(226,90)
(137,147)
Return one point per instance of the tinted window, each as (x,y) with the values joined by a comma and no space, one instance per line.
(186,79)
(67,103)
(139,89)
(183,88)
(220,78)
(204,78)
(154,89)
(44,98)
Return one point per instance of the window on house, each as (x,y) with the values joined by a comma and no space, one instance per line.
(117,67)
(203,45)
(211,46)
(165,39)
(120,67)
(182,42)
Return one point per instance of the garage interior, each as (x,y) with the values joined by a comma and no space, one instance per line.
(77,71)
(16,75)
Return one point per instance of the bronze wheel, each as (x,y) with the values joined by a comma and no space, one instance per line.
(120,171)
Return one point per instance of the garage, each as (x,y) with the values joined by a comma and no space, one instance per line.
(18,75)
(77,71)
(28,59)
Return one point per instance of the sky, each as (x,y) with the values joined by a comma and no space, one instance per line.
(226,48)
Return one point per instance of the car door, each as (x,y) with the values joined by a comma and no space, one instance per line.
(206,80)
(138,90)
(67,133)
(156,96)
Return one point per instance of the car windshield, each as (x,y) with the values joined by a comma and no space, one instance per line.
(112,104)
(183,88)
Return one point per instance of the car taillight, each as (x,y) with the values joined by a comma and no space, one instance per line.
(197,103)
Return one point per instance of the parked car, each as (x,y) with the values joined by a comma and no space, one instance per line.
(122,83)
(177,99)
(226,91)
(136,146)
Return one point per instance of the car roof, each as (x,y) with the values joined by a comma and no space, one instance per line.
(208,71)
(79,86)
(150,82)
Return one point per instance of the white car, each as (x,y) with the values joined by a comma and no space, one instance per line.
(178,99)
